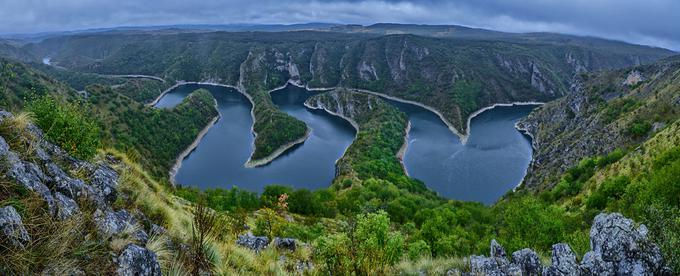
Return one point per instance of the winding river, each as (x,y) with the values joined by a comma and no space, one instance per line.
(218,160)
(492,162)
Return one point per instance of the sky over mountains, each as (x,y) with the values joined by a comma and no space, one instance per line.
(650,22)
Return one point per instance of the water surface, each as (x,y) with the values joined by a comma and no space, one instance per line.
(218,160)
(492,162)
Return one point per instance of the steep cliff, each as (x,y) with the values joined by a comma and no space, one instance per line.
(605,111)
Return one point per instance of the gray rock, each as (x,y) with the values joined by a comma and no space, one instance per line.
(527,260)
(30,176)
(615,239)
(12,228)
(66,207)
(157,230)
(4,147)
(480,265)
(111,224)
(105,179)
(563,261)
(285,243)
(73,188)
(136,260)
(255,243)
(497,251)
(593,264)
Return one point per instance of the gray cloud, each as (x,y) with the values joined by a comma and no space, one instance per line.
(651,22)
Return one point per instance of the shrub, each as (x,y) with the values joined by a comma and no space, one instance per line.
(66,125)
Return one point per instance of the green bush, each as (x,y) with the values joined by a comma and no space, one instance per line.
(66,125)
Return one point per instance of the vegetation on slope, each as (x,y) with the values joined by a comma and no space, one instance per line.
(422,69)
(156,136)
(608,111)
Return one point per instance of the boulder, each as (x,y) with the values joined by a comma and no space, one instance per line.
(285,243)
(136,260)
(616,242)
(481,265)
(563,261)
(66,207)
(11,227)
(592,264)
(4,147)
(497,251)
(73,188)
(30,176)
(528,262)
(255,243)
(111,224)
(105,179)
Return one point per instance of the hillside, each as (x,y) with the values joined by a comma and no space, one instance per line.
(454,76)
(606,111)
(75,202)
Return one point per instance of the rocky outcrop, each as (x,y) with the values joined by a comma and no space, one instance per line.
(136,260)
(285,243)
(12,229)
(114,223)
(47,175)
(255,243)
(563,261)
(620,248)
(617,248)
(66,207)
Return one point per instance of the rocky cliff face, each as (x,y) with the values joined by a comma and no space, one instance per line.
(599,115)
(456,77)
(618,247)
(43,170)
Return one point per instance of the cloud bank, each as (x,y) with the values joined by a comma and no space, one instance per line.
(650,22)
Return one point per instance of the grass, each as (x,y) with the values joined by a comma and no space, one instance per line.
(430,266)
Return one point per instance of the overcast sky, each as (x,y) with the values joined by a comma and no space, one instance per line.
(650,22)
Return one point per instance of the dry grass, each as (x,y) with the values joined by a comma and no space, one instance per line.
(56,246)
(14,130)
(429,266)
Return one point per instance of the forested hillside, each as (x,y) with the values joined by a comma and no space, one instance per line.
(454,76)
(607,111)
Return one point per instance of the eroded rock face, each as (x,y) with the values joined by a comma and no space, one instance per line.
(618,247)
(255,243)
(66,207)
(527,260)
(136,260)
(563,261)
(30,176)
(621,248)
(113,223)
(12,228)
(285,243)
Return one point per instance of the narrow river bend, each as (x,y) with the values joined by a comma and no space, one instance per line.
(492,162)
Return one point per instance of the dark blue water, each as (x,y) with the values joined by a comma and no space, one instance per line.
(493,161)
(218,160)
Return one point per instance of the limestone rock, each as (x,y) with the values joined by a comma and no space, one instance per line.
(110,224)
(563,261)
(255,243)
(105,179)
(12,228)
(66,207)
(616,241)
(136,260)
(527,260)
(30,176)
(285,243)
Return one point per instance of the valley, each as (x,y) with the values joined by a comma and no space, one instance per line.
(326,149)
